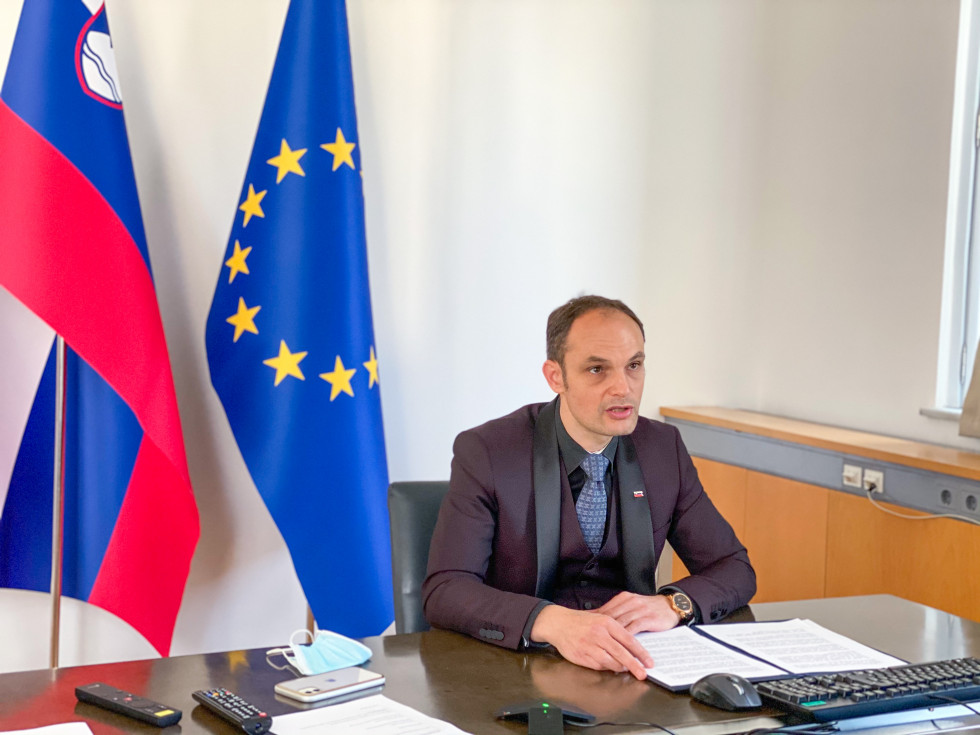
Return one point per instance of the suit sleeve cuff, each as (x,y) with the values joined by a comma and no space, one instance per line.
(526,642)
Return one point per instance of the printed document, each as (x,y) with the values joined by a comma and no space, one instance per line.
(67,728)
(755,651)
(681,657)
(801,646)
(375,715)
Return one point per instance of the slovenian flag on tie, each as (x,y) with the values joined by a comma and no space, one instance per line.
(72,250)
(289,337)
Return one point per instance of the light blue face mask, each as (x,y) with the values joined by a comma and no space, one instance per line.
(329,651)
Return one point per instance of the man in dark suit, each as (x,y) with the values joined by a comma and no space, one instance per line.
(557,513)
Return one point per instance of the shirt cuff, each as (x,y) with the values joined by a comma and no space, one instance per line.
(526,642)
(695,619)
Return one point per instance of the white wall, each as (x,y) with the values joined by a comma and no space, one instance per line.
(764,181)
(853,208)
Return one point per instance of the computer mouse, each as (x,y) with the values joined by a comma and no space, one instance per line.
(726,691)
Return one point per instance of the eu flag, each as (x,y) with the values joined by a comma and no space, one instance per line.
(289,337)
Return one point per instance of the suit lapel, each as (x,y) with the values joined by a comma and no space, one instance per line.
(639,559)
(547,500)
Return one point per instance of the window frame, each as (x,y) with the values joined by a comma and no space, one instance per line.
(960,318)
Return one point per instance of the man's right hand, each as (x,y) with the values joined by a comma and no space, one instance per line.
(592,640)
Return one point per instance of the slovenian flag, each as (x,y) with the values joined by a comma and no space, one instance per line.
(290,338)
(73,252)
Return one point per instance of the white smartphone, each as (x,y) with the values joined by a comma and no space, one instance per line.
(330,685)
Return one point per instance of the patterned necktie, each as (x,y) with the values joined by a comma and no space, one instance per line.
(591,504)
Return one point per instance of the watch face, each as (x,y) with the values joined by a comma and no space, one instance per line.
(682,602)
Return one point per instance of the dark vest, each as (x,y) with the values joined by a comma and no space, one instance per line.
(585,582)
(561,552)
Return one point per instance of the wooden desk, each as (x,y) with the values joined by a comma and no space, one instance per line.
(463,681)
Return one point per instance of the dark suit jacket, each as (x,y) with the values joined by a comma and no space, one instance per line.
(494,551)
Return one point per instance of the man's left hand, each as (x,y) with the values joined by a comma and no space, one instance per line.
(641,613)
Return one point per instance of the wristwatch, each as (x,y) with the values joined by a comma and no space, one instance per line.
(681,604)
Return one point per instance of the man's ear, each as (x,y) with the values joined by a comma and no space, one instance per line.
(553,374)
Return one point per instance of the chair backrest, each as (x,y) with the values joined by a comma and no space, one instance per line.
(413,507)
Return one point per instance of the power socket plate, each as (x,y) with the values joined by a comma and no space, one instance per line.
(874,481)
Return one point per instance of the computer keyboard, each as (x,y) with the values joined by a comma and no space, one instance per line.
(874,691)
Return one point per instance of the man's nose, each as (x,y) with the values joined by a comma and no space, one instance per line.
(620,385)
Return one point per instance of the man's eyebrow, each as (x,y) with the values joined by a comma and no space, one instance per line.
(596,360)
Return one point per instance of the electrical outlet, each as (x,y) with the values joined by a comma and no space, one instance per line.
(874,481)
(851,476)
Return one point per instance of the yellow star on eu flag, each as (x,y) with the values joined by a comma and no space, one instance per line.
(372,368)
(244,319)
(252,206)
(287,162)
(236,263)
(341,150)
(286,363)
(339,379)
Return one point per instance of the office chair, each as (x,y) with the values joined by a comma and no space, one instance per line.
(413,507)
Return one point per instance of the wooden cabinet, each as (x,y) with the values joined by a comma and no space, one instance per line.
(808,542)
(786,535)
(933,561)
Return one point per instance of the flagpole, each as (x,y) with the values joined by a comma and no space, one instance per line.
(57,513)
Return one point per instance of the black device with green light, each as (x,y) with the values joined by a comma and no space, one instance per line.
(545,720)
(545,717)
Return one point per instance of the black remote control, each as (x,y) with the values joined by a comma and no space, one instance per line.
(125,703)
(236,710)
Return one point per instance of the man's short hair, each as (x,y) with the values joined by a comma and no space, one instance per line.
(561,319)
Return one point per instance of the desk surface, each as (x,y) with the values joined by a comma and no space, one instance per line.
(462,680)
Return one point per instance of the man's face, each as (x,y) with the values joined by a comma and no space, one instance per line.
(603,378)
